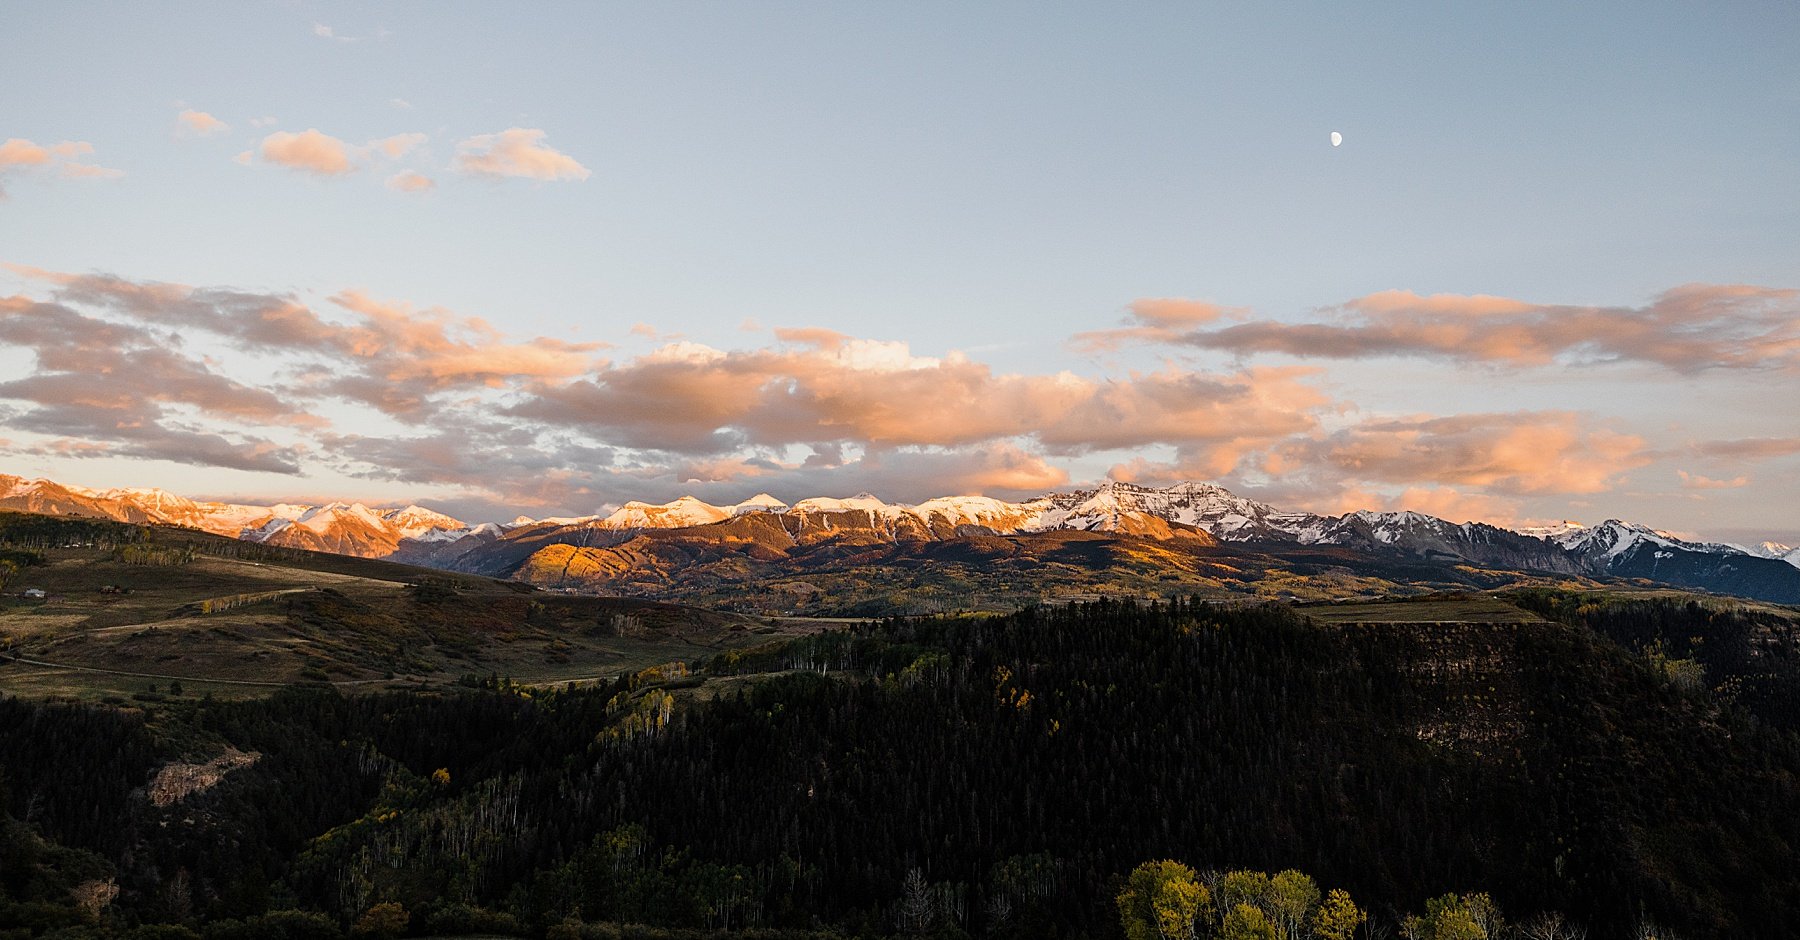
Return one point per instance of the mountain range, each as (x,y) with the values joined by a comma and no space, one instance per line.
(647,548)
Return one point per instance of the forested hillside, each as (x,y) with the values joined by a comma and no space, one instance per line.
(995,777)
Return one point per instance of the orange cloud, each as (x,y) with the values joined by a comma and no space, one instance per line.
(812,336)
(1454,505)
(309,151)
(1518,453)
(516,152)
(693,399)
(1175,312)
(408,181)
(1694,481)
(440,350)
(18,151)
(18,154)
(201,123)
(398,145)
(1155,320)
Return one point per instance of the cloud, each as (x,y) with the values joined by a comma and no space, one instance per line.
(1512,453)
(1694,481)
(1687,329)
(90,362)
(87,171)
(1155,320)
(325,32)
(801,411)
(1448,503)
(408,181)
(475,454)
(400,104)
(908,474)
(113,384)
(1748,448)
(175,445)
(309,151)
(18,151)
(512,468)
(389,355)
(115,372)
(398,145)
(321,154)
(516,152)
(201,123)
(19,155)
(689,399)
(441,350)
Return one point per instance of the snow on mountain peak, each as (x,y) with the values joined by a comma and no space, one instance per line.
(323,518)
(676,514)
(1111,506)
(864,502)
(761,502)
(417,522)
(151,499)
(1556,532)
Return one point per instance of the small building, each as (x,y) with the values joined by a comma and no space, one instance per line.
(35,594)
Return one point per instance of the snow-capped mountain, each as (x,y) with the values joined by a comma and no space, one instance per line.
(343,528)
(1779,551)
(684,512)
(1614,538)
(417,522)
(1193,511)
(1186,510)
(1220,512)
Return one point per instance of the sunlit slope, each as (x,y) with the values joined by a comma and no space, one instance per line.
(130,606)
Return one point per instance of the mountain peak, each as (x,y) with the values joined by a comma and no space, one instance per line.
(678,513)
(761,502)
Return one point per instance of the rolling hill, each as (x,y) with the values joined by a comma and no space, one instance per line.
(126,607)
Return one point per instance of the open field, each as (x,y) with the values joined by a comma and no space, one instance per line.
(236,627)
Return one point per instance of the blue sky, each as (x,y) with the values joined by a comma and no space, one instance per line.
(981,184)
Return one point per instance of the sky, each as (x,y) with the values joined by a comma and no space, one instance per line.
(545,260)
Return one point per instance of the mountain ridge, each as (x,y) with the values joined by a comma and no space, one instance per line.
(764,527)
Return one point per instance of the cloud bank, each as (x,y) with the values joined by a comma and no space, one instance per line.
(1689,329)
(386,389)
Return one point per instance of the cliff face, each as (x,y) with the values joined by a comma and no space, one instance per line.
(178,781)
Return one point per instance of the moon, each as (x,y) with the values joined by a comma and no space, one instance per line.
(1336,138)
